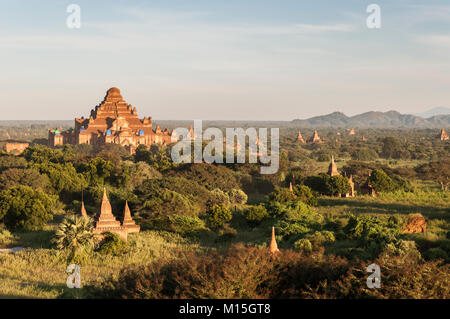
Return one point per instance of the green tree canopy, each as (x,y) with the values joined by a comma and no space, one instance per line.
(22,207)
(218,216)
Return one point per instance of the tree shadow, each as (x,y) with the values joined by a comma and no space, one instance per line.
(35,239)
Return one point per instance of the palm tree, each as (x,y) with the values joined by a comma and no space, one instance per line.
(75,234)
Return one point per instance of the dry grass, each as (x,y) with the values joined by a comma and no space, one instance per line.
(40,273)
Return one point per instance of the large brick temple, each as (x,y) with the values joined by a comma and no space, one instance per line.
(112,121)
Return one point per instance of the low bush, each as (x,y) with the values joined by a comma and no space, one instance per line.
(256,214)
(218,216)
(303,245)
(111,244)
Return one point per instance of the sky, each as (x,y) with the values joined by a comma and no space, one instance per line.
(223,60)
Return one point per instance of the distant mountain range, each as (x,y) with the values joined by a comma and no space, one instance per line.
(434,112)
(388,119)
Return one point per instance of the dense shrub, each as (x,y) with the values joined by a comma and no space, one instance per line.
(381,182)
(303,245)
(111,244)
(25,208)
(296,220)
(63,177)
(217,197)
(436,253)
(305,194)
(6,237)
(226,234)
(27,177)
(364,154)
(372,234)
(256,214)
(402,278)
(208,175)
(280,195)
(320,238)
(239,272)
(155,190)
(237,196)
(11,161)
(186,224)
(218,215)
(328,185)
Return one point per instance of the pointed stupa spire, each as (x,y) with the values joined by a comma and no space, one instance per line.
(273,243)
(83,210)
(126,213)
(290,187)
(300,138)
(315,138)
(105,212)
(332,169)
(128,221)
(105,208)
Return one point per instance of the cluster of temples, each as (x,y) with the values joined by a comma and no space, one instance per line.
(105,221)
(112,121)
(315,138)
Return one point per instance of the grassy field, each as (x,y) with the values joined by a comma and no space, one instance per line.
(39,270)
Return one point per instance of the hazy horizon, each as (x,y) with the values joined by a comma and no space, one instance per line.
(234,60)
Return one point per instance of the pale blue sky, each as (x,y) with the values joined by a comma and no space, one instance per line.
(258,59)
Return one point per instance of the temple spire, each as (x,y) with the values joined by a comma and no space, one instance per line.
(126,213)
(105,212)
(273,243)
(128,221)
(83,210)
(332,169)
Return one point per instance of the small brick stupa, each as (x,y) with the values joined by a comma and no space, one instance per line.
(83,209)
(443,136)
(105,221)
(300,138)
(332,169)
(273,243)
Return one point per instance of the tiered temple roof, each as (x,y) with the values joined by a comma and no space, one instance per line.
(105,221)
(332,169)
(112,121)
